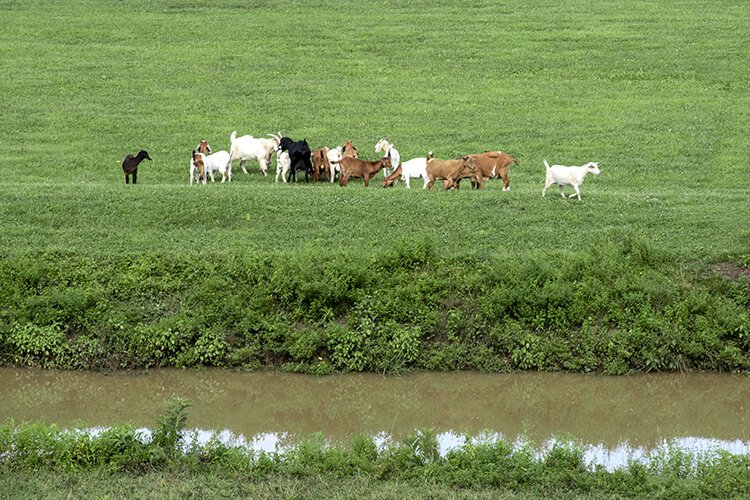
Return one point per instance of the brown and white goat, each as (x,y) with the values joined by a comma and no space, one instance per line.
(200,170)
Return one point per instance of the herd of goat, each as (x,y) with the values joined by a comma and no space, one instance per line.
(343,163)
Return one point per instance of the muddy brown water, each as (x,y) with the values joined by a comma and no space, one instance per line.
(642,410)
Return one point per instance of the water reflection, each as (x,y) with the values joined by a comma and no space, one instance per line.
(641,410)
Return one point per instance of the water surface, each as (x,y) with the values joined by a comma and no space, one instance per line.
(642,410)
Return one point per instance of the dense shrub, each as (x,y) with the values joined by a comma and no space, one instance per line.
(615,307)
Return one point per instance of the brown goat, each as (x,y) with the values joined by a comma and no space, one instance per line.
(130,164)
(492,165)
(449,171)
(349,150)
(360,169)
(320,163)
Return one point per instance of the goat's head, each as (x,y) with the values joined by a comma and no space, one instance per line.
(276,138)
(385,162)
(382,145)
(593,167)
(469,164)
(285,143)
(203,147)
(350,149)
(143,155)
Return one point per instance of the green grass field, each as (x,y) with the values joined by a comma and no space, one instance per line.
(657,93)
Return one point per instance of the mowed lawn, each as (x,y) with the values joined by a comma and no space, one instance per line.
(658,93)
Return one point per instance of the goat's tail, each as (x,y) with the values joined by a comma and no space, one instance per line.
(546,165)
(515,160)
(233,136)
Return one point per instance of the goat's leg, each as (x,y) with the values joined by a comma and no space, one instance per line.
(577,193)
(561,191)
(242,164)
(127,178)
(211,173)
(135,175)
(506,183)
(547,184)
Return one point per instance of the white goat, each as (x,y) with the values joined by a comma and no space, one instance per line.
(568,176)
(334,155)
(414,168)
(283,164)
(248,147)
(217,162)
(390,152)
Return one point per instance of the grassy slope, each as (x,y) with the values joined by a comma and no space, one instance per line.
(658,94)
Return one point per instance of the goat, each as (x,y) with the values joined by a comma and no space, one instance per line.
(320,163)
(349,150)
(568,176)
(299,156)
(334,156)
(416,167)
(204,148)
(130,164)
(493,165)
(283,164)
(248,147)
(354,167)
(217,162)
(390,152)
(449,171)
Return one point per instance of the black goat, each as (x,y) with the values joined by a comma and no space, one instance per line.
(299,157)
(130,164)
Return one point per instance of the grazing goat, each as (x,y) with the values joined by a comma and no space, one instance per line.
(283,164)
(204,148)
(320,163)
(217,162)
(130,165)
(360,169)
(492,165)
(416,167)
(299,156)
(390,152)
(568,176)
(450,171)
(247,148)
